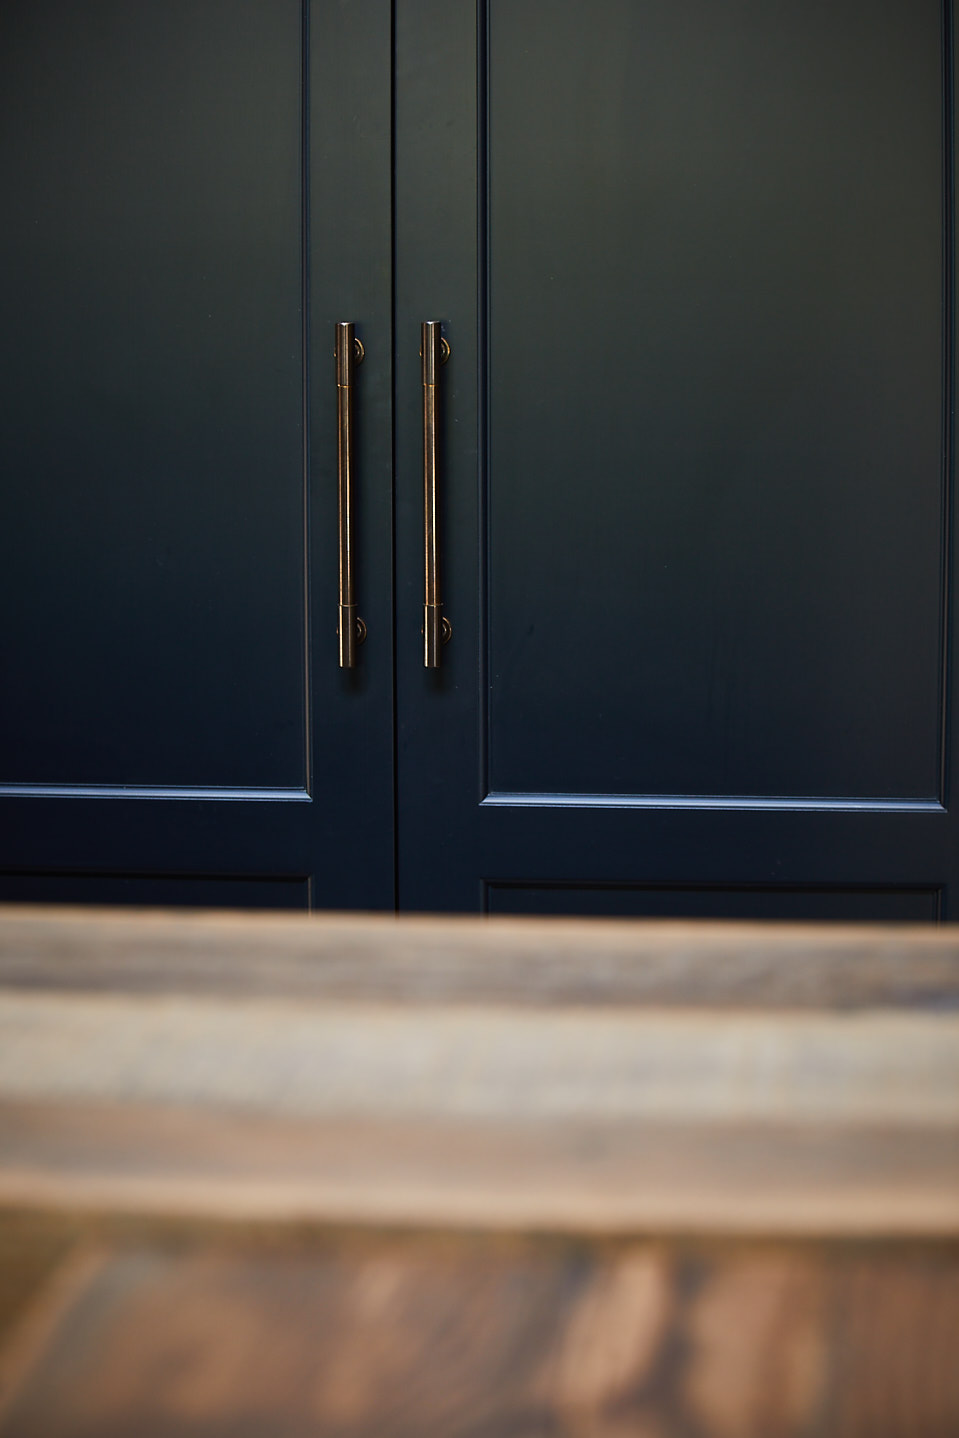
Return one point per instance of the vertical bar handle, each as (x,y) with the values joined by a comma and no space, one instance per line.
(436,630)
(351,629)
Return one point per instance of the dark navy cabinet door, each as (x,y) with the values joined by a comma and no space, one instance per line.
(192,198)
(695,265)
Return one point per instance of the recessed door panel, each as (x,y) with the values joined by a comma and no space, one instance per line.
(139,891)
(152,449)
(715,398)
(862,906)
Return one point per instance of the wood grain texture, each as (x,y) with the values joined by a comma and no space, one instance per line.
(479,1063)
(520,961)
(476,1337)
(543,1075)
(567,1176)
(556,1123)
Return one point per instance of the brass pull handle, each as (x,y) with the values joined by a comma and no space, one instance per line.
(349,353)
(436,630)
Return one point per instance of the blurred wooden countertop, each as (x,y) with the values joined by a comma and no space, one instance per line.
(542,1073)
(561,1164)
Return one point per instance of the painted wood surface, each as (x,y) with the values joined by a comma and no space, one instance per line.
(175,729)
(696,266)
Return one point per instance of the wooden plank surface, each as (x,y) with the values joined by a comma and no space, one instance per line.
(345,1177)
(483,1062)
(461,1072)
(531,962)
(348,1335)
(556,1177)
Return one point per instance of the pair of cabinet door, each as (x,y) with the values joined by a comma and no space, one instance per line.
(695,267)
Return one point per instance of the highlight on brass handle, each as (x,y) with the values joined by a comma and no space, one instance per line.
(349,353)
(436,630)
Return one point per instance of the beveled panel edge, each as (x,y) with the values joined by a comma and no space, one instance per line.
(153,791)
(946,701)
(515,799)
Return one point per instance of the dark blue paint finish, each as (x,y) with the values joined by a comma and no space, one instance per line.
(170,278)
(715,358)
(153,504)
(890,905)
(700,556)
(152,892)
(696,268)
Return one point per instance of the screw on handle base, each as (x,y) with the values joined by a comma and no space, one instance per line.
(352,632)
(437,631)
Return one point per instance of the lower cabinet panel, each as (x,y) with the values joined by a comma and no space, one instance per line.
(862,905)
(150,891)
